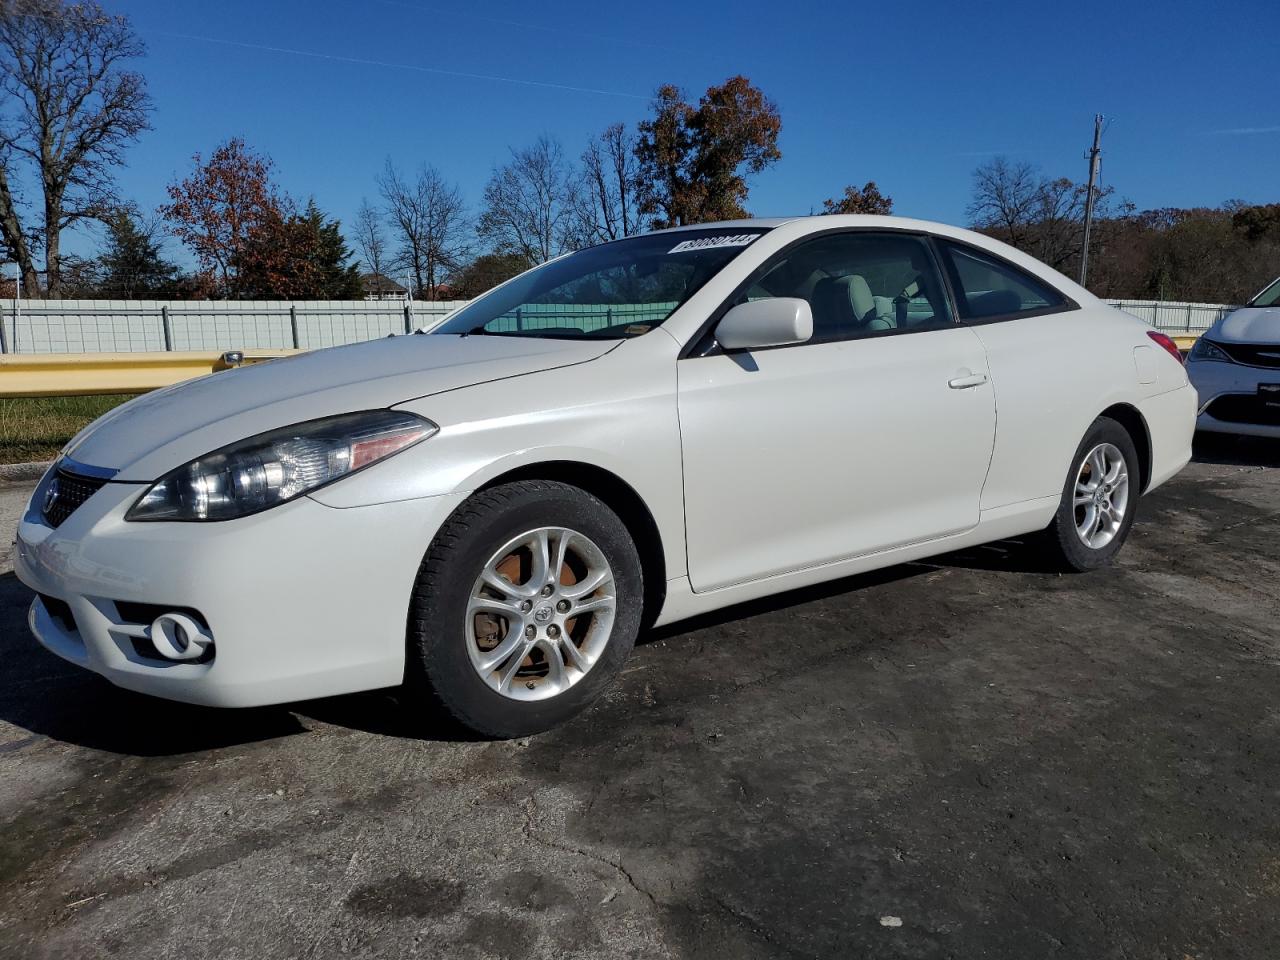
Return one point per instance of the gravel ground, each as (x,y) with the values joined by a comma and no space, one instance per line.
(963,758)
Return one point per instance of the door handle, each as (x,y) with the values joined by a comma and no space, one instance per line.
(964,383)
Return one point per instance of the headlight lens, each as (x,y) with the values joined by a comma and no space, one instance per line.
(277,466)
(1204,349)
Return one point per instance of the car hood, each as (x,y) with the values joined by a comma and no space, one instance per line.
(1248,325)
(157,432)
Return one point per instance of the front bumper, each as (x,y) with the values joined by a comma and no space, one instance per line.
(303,600)
(1216,380)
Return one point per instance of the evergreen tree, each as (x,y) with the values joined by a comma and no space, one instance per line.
(339,276)
(131,266)
(298,257)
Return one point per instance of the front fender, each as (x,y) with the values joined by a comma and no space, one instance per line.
(616,414)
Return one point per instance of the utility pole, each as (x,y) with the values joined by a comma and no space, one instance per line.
(1094,156)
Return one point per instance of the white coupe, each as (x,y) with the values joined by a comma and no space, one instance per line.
(626,436)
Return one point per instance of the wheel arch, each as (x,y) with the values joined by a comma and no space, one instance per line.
(1129,417)
(620,497)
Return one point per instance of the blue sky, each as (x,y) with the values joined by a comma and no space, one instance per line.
(913,96)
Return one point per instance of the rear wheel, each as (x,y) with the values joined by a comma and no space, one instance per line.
(526,606)
(1099,500)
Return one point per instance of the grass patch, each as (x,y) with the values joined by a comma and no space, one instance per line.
(35,428)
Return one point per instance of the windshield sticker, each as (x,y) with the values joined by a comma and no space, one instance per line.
(705,243)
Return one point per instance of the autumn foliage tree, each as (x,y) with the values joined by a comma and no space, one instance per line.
(694,160)
(487,271)
(868,200)
(297,256)
(219,206)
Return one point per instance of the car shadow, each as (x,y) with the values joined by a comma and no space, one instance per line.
(1227,450)
(1009,556)
(48,698)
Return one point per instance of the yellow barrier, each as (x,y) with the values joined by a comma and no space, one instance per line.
(82,374)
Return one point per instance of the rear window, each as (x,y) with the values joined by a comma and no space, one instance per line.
(987,287)
(613,291)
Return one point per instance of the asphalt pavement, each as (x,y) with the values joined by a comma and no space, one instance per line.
(963,758)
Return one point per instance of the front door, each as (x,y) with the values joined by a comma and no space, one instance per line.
(877,433)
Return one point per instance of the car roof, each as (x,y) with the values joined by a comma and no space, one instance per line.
(817,222)
(759,222)
(831,219)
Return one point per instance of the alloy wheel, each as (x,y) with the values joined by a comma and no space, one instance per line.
(540,613)
(1101,495)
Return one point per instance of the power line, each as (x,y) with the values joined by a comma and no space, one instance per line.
(418,68)
(524,25)
(362,61)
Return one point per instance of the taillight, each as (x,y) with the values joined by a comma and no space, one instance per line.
(1166,342)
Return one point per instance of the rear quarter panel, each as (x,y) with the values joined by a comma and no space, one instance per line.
(1053,375)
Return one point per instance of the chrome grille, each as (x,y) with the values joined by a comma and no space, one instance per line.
(1252,354)
(65,493)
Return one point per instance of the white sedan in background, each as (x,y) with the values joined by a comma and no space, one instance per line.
(626,436)
(1235,368)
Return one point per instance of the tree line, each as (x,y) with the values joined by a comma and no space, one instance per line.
(1222,254)
(72,105)
(65,67)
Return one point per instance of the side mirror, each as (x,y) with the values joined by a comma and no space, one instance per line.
(774,322)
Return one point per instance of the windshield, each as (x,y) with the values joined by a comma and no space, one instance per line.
(1269,297)
(616,290)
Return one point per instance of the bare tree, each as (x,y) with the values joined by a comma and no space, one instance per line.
(77,108)
(529,203)
(605,199)
(429,217)
(1044,217)
(1006,196)
(370,238)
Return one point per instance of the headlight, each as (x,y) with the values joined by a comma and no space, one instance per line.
(1204,349)
(277,466)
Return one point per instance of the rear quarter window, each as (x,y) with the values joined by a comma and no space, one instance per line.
(987,288)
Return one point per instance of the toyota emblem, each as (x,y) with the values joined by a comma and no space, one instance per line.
(51,495)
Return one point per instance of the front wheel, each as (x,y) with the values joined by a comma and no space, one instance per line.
(526,606)
(1099,500)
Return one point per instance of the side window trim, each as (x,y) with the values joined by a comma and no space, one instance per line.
(702,343)
(952,278)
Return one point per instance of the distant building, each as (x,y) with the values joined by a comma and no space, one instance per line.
(379,287)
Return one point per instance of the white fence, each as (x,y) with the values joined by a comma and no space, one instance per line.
(1175,317)
(130,326)
(133,326)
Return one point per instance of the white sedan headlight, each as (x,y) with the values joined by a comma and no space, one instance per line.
(275,467)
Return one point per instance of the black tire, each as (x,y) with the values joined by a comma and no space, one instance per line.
(438,665)
(1060,543)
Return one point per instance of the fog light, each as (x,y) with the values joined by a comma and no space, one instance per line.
(177,636)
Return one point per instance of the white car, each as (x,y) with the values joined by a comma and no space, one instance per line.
(626,436)
(1235,368)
